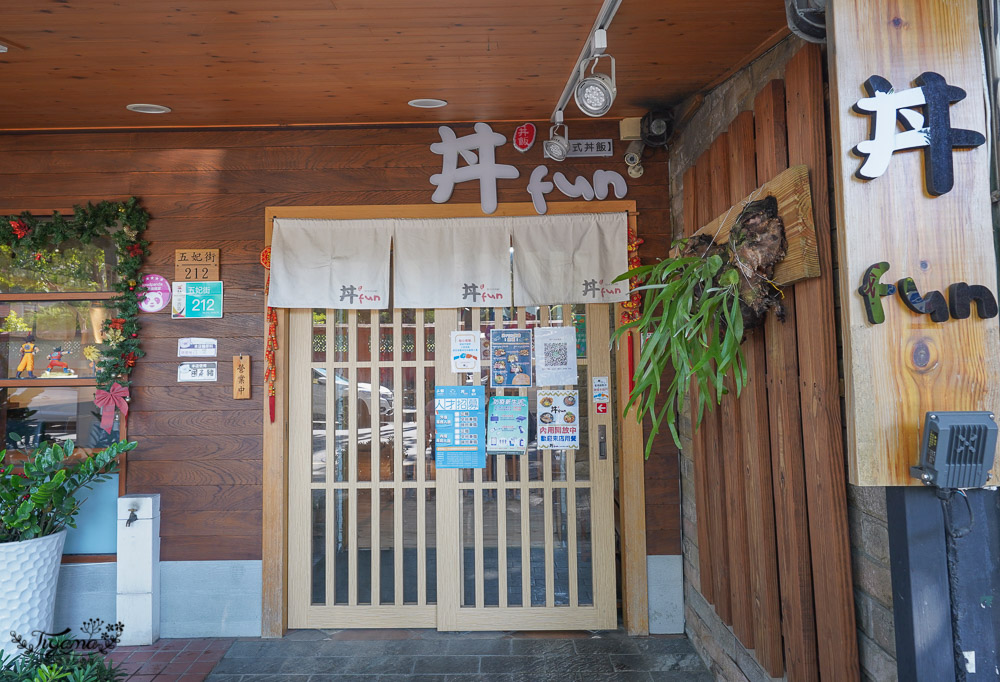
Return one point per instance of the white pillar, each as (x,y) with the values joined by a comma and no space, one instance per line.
(139,569)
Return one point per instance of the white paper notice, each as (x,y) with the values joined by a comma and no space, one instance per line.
(193,347)
(602,393)
(465,351)
(555,356)
(198,371)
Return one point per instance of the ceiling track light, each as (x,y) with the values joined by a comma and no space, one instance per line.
(595,93)
(598,87)
(557,146)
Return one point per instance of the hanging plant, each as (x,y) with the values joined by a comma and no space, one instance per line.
(696,308)
(30,237)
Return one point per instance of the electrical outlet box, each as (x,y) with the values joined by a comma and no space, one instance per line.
(628,128)
(957,449)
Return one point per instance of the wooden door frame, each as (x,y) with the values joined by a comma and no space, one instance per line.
(632,512)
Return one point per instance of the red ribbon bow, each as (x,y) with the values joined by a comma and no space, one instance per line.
(108,400)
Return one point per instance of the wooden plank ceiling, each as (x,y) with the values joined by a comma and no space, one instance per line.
(77,63)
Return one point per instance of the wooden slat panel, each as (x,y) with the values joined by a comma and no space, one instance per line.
(705,563)
(817,353)
(798,616)
(221,547)
(219,472)
(730,450)
(179,448)
(704,203)
(756,446)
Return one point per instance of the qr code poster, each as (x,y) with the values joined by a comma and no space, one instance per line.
(555,356)
(558,415)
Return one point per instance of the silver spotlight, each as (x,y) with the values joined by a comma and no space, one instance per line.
(595,93)
(557,146)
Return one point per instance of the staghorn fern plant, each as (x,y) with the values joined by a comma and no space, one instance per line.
(696,308)
(694,324)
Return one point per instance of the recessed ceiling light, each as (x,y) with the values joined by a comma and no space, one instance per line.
(149,108)
(427,103)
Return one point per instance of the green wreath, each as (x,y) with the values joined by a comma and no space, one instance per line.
(28,236)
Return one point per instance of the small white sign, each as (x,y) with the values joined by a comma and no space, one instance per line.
(602,147)
(194,347)
(465,352)
(602,392)
(197,371)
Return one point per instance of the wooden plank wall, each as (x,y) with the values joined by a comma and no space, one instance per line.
(770,479)
(199,448)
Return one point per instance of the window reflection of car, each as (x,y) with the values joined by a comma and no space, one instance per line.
(342,392)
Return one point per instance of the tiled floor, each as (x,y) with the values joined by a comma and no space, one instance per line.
(430,656)
(171,660)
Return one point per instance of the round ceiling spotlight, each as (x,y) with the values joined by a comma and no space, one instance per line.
(427,103)
(595,93)
(557,146)
(149,108)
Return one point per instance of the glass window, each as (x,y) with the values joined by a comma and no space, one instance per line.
(54,413)
(50,339)
(73,267)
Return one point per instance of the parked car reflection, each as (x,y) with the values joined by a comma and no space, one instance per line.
(385,397)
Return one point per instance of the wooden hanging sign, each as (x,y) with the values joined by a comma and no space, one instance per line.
(241,377)
(195,265)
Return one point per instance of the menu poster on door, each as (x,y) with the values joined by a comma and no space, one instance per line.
(459,427)
(507,430)
(510,357)
(555,356)
(465,350)
(558,420)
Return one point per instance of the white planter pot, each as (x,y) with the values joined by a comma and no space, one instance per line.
(30,571)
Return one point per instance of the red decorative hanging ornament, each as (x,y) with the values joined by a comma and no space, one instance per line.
(116,323)
(20,228)
(115,397)
(271,348)
(129,360)
(38,256)
(631,308)
(135,250)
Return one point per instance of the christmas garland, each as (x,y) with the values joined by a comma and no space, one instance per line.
(32,237)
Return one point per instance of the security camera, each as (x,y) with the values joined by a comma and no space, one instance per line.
(635,171)
(633,154)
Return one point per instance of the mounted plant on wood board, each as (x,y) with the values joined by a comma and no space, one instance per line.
(697,306)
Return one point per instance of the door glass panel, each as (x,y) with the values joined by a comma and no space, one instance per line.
(411,451)
(491,573)
(467,513)
(364,336)
(341,424)
(364,422)
(319,547)
(428,334)
(341,544)
(386,428)
(536,506)
(319,335)
(408,344)
(364,545)
(409,543)
(514,593)
(560,548)
(386,338)
(428,403)
(559,465)
(338,343)
(431,555)
(319,425)
(584,549)
(387,548)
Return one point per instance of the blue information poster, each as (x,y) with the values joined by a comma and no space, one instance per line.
(460,427)
(507,431)
(510,357)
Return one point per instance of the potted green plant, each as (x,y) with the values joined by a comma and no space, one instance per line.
(697,306)
(38,501)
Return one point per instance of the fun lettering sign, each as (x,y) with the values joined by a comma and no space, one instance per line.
(478,151)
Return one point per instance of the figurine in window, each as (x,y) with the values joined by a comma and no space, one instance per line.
(27,363)
(56,361)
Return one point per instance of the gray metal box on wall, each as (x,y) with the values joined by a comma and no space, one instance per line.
(957,449)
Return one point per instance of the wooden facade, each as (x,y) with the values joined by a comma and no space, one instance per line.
(198,447)
(773,546)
